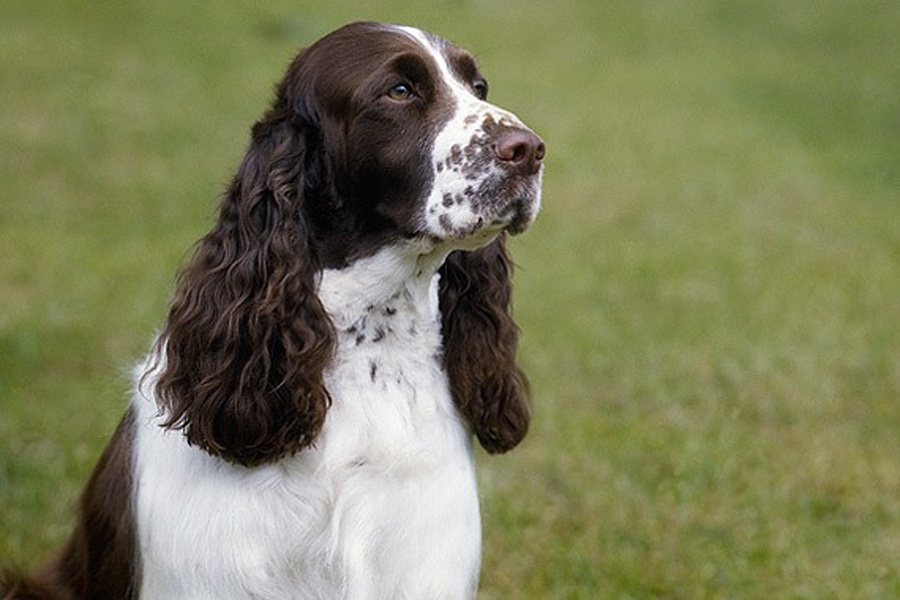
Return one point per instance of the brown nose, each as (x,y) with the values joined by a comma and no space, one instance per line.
(520,150)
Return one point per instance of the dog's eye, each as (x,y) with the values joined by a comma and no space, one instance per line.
(401,92)
(480,88)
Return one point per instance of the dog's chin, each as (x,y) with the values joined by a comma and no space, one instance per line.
(519,202)
(482,232)
(478,230)
(523,218)
(478,239)
(519,215)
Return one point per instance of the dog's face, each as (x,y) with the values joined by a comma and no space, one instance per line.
(411,142)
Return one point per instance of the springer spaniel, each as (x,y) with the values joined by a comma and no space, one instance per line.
(303,426)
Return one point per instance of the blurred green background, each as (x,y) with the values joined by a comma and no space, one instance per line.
(710,300)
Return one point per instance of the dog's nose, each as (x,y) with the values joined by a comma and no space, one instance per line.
(520,150)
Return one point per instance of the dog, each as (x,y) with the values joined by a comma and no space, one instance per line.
(303,426)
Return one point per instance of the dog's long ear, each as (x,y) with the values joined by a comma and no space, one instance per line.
(247,339)
(480,339)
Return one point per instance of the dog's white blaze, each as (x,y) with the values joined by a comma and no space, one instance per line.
(445,209)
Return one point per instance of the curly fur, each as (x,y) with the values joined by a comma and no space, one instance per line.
(480,339)
(247,339)
(303,426)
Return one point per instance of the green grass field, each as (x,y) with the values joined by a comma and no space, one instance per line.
(710,300)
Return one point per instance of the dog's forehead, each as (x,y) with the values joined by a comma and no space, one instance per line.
(358,49)
(363,42)
(453,61)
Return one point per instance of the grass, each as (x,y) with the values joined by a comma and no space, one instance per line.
(710,300)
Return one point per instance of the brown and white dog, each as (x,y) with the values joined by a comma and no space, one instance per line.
(303,426)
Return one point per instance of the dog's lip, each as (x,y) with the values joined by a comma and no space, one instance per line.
(519,214)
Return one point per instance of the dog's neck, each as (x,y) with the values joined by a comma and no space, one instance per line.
(376,296)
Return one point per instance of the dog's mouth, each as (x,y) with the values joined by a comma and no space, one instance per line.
(490,185)
(517,201)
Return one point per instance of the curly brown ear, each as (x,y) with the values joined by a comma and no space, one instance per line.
(247,339)
(480,339)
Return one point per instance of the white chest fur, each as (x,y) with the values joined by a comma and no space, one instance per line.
(383,506)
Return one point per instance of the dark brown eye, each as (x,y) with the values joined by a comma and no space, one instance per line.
(401,92)
(481,89)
